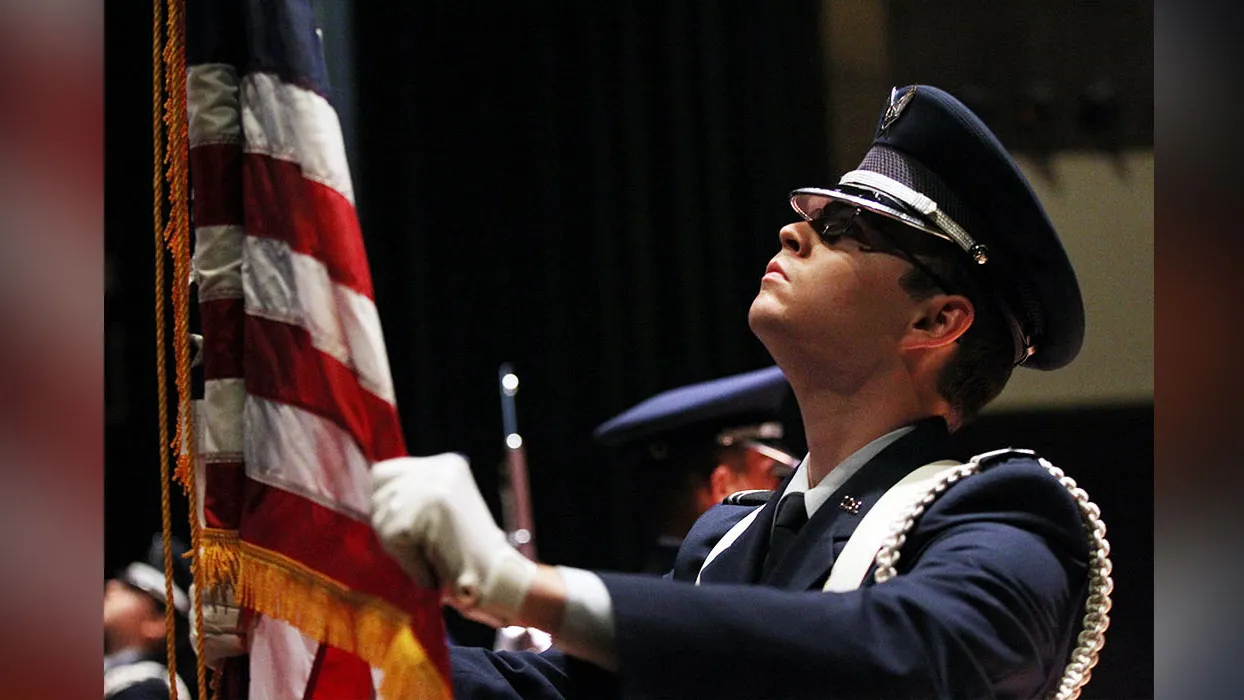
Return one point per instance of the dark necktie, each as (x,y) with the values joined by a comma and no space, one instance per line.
(791,515)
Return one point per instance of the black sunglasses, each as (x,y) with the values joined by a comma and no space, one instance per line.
(874,233)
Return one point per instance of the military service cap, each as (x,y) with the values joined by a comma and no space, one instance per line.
(935,166)
(741,409)
(147,574)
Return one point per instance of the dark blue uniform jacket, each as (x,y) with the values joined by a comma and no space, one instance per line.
(990,595)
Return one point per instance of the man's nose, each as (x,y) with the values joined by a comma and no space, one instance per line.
(795,237)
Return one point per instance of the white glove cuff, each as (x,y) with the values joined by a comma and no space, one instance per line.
(509,579)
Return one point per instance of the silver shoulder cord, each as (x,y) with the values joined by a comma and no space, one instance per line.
(1096,619)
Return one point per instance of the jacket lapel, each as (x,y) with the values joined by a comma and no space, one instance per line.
(811,555)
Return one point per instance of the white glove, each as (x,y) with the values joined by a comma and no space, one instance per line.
(428,514)
(224,631)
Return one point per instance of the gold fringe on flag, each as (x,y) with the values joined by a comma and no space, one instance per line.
(326,610)
(219,558)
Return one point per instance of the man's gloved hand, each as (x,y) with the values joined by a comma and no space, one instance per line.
(428,514)
(224,627)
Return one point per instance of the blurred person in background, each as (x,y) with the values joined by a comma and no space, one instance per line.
(689,448)
(135,627)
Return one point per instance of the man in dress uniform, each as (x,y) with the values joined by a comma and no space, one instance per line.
(693,446)
(897,307)
(135,646)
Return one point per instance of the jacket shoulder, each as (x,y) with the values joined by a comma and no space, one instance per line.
(704,535)
(1011,487)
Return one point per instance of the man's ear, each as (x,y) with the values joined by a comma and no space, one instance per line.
(721,482)
(939,321)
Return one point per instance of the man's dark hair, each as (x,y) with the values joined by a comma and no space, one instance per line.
(982,366)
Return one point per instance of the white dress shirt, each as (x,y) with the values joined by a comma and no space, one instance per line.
(814,497)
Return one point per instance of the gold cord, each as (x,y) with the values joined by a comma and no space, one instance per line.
(157,185)
(178,239)
(171,165)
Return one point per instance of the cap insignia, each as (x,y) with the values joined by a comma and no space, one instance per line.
(897,105)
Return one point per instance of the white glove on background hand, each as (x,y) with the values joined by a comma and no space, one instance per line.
(224,634)
(429,515)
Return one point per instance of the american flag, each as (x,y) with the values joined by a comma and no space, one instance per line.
(298,400)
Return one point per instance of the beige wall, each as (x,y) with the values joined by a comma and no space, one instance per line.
(1103,210)
(1101,206)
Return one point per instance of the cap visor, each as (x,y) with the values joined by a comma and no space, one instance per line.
(809,201)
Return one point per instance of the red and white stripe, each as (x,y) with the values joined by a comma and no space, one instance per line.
(215,161)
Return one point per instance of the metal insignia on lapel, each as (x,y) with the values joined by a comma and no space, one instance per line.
(850,504)
(897,104)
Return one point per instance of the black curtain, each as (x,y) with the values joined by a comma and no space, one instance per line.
(589,191)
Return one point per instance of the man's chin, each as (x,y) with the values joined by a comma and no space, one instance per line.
(765,309)
(766,316)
